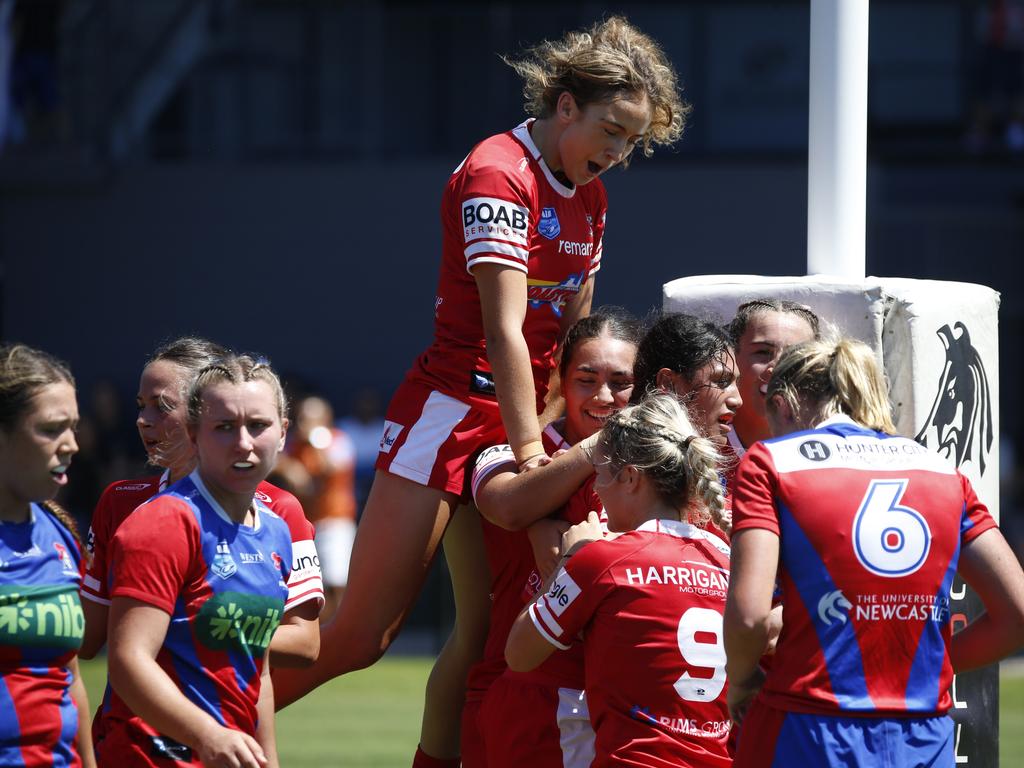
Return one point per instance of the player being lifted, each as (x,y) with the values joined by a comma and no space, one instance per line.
(866,531)
(522,222)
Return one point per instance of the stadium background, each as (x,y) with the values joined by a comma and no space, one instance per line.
(268,173)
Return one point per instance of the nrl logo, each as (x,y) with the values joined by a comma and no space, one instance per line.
(959,425)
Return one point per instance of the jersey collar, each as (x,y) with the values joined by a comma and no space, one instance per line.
(683,530)
(839,418)
(555,436)
(165,480)
(522,134)
(198,482)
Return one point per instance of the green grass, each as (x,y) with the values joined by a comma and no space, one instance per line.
(372,718)
(368,718)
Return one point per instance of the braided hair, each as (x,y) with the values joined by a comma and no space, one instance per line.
(657,437)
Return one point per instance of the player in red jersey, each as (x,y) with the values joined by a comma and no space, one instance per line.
(522,223)
(695,360)
(659,701)
(761,330)
(162,429)
(539,730)
(199,588)
(44,711)
(866,530)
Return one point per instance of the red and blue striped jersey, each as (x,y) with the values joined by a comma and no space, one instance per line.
(224,587)
(870,528)
(41,628)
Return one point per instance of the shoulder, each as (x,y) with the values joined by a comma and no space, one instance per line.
(501,162)
(287,508)
(162,514)
(122,496)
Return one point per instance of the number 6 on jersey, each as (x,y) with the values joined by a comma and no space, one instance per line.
(889,540)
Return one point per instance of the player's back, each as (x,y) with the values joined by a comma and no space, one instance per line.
(870,530)
(654,654)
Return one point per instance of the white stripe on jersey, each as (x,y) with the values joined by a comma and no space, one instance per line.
(494,458)
(544,632)
(575,733)
(415,459)
(498,247)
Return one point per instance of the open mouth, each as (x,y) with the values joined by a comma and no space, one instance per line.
(243,465)
(601,416)
(60,473)
(594,168)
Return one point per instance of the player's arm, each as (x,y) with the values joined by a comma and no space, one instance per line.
(81,701)
(137,632)
(503,301)
(535,633)
(265,733)
(988,564)
(748,608)
(95,636)
(513,500)
(296,642)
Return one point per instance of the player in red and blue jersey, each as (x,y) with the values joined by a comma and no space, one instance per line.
(199,588)
(44,712)
(162,428)
(866,530)
(522,220)
(540,718)
(659,701)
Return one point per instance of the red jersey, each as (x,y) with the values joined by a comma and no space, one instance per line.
(122,497)
(870,568)
(503,205)
(659,702)
(510,557)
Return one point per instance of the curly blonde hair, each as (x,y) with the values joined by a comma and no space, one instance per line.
(611,59)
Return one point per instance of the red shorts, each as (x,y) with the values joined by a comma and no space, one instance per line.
(471,741)
(432,438)
(523,723)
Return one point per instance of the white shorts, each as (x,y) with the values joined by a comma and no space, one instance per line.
(334,537)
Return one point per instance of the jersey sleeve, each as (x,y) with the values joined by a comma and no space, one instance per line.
(305,581)
(494,211)
(95,581)
(490,461)
(975,518)
(599,221)
(753,501)
(153,552)
(562,612)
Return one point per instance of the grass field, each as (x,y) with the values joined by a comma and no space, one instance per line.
(372,718)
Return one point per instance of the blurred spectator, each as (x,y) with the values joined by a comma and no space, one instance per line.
(364,427)
(997,114)
(318,466)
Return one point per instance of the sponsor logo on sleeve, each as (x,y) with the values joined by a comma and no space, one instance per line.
(485,218)
(305,561)
(548,224)
(391,433)
(563,591)
(132,487)
(481,383)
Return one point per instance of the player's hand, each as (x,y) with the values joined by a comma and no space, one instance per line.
(538,460)
(228,748)
(582,533)
(742,693)
(545,537)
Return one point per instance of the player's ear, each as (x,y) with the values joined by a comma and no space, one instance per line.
(284,434)
(667,380)
(566,108)
(629,475)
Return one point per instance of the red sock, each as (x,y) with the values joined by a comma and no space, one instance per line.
(423,760)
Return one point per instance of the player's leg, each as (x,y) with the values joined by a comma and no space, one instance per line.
(446,687)
(396,540)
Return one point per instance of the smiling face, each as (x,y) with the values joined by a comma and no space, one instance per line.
(237,439)
(764,339)
(162,416)
(35,452)
(600,135)
(598,382)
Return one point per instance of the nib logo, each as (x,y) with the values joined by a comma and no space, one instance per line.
(833,605)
